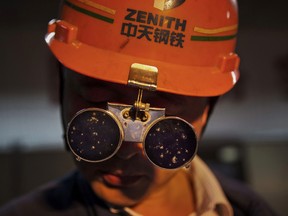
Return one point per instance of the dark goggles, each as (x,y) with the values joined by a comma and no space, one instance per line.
(95,135)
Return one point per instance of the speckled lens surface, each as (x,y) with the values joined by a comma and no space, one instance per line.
(94,135)
(170,143)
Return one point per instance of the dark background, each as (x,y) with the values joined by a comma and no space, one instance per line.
(247,137)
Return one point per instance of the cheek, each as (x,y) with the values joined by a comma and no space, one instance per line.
(200,122)
(162,177)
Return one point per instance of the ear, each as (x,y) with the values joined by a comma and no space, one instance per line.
(207,113)
(200,123)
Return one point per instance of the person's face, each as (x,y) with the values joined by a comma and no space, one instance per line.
(128,176)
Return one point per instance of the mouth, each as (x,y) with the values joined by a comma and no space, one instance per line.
(119,180)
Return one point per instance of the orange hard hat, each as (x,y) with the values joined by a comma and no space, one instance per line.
(190,42)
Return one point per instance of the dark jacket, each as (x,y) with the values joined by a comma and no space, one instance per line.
(243,200)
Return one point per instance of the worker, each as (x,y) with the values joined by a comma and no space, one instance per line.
(139,80)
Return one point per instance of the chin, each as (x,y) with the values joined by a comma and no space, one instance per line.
(119,196)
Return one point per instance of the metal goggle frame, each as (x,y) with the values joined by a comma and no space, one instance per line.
(95,135)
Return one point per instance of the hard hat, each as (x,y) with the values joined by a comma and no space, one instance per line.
(190,42)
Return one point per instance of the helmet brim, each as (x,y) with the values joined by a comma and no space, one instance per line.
(99,63)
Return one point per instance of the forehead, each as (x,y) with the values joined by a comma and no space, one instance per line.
(81,89)
(82,81)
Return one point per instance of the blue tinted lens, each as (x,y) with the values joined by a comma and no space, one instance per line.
(170,143)
(93,135)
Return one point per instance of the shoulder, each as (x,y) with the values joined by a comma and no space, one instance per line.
(47,200)
(243,199)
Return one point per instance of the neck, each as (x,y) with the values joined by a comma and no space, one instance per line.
(175,198)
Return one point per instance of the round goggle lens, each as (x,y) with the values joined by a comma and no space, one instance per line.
(170,143)
(94,135)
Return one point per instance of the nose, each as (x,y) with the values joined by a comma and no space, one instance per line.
(129,150)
